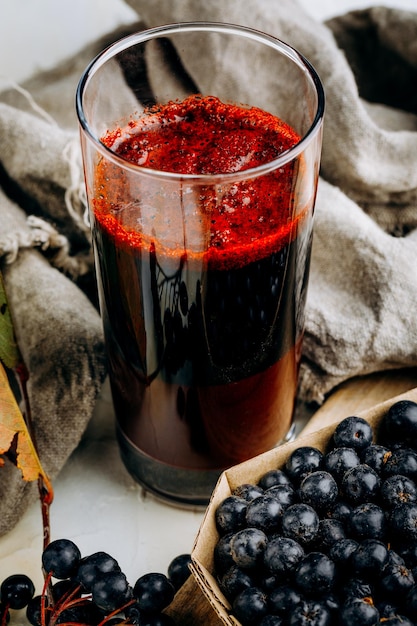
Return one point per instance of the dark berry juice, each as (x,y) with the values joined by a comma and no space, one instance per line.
(202,285)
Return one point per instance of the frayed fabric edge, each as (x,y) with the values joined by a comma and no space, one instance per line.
(44,237)
(41,234)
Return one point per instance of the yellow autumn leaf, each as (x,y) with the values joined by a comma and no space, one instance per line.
(12,424)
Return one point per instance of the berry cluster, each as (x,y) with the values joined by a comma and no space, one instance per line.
(92,590)
(331,537)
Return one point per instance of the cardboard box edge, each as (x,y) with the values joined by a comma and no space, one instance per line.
(202,553)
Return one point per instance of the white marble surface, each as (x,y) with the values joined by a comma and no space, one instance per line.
(96,503)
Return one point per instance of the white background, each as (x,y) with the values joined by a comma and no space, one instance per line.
(35,34)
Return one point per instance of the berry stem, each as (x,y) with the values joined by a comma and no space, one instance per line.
(116,612)
(67,601)
(4,613)
(46,596)
(46,493)
(46,496)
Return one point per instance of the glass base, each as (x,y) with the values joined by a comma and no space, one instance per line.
(181,487)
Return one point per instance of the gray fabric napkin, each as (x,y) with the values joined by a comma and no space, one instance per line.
(363,288)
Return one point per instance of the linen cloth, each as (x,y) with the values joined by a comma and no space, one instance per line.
(362,296)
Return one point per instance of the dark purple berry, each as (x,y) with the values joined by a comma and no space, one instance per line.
(375,456)
(61,558)
(360,612)
(400,423)
(153,592)
(310,613)
(222,554)
(179,570)
(396,489)
(272,478)
(268,581)
(92,566)
(403,522)
(302,461)
(265,512)
(330,531)
(230,515)
(234,581)
(332,602)
(367,522)
(285,494)
(341,554)
(369,559)
(34,610)
(353,432)
(315,574)
(284,599)
(356,589)
(16,591)
(282,556)
(111,591)
(300,522)
(397,581)
(340,511)
(394,558)
(248,491)
(386,609)
(339,460)
(247,547)
(340,546)
(360,484)
(250,605)
(401,461)
(319,490)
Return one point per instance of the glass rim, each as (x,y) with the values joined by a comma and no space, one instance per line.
(168,29)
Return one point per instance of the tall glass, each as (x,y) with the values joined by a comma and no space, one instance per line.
(202,269)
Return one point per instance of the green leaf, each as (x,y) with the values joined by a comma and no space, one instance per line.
(9,352)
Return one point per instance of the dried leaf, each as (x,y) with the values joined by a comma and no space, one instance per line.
(9,352)
(13,429)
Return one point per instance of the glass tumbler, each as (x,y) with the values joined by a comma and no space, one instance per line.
(201,148)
